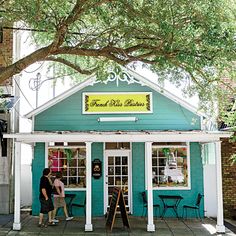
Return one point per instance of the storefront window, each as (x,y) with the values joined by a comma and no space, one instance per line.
(71,161)
(170,166)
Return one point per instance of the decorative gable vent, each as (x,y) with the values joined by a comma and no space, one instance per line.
(120,75)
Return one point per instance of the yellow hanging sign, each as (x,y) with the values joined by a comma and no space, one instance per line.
(130,102)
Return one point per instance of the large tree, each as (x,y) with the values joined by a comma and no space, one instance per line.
(191,40)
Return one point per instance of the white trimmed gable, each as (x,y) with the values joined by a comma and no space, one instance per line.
(130,76)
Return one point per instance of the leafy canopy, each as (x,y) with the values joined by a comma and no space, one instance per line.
(191,40)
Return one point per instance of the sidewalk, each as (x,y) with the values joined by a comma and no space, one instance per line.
(166,227)
(231,224)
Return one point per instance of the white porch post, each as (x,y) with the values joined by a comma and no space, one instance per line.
(17,167)
(148,156)
(220,228)
(88,224)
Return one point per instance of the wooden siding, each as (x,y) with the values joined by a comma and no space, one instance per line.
(67,114)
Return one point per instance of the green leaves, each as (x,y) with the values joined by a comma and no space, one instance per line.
(188,40)
(233,159)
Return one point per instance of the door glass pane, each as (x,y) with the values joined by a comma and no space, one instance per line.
(110,170)
(125,190)
(124,160)
(111,181)
(125,181)
(118,170)
(124,170)
(110,189)
(110,160)
(118,181)
(117,160)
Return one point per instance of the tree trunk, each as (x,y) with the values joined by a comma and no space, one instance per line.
(8,71)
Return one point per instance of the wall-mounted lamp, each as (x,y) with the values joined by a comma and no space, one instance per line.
(118,119)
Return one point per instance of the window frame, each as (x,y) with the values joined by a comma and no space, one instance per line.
(188,187)
(47,147)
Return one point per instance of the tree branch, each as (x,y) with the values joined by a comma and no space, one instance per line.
(78,9)
(17,67)
(63,27)
(71,65)
(121,56)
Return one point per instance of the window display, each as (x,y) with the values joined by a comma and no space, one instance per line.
(71,162)
(170,166)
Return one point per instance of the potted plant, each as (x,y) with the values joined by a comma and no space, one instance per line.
(166,151)
(68,153)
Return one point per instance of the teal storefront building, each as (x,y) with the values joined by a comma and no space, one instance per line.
(143,138)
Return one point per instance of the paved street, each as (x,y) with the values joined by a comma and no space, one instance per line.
(137,227)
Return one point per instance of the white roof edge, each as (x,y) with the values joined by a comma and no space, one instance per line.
(91,79)
(61,97)
(161,136)
(165,92)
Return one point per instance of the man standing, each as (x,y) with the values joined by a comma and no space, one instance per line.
(45,191)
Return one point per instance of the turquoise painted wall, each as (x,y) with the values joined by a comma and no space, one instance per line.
(138,176)
(98,184)
(38,164)
(67,115)
(189,196)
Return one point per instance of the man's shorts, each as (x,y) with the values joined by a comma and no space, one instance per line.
(46,206)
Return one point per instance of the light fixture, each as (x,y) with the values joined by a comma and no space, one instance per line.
(118,119)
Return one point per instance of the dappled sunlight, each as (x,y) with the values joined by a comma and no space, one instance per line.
(210,228)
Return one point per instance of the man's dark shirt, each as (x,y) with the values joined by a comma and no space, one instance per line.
(44,183)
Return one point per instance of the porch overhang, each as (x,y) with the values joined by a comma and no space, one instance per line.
(120,136)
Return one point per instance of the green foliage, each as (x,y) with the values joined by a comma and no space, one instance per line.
(166,151)
(68,153)
(230,118)
(189,42)
(233,159)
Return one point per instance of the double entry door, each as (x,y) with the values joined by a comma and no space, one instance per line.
(117,174)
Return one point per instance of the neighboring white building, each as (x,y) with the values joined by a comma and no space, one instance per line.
(28,97)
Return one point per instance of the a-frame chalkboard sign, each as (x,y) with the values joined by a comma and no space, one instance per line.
(117,199)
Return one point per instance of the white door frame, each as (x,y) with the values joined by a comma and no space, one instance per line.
(118,152)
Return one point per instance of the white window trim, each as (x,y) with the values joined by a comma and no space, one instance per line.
(130,178)
(75,189)
(188,163)
(56,147)
(46,155)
